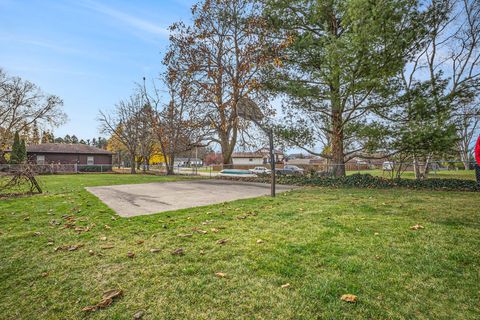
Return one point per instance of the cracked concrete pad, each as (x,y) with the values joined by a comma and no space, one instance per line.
(140,199)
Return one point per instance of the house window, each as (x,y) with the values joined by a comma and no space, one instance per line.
(250,159)
(90,161)
(40,159)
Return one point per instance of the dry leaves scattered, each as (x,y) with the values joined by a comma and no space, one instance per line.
(185,235)
(68,247)
(154,250)
(286,285)
(107,299)
(178,252)
(199,231)
(220,274)
(349,298)
(417,227)
(222,241)
(131,255)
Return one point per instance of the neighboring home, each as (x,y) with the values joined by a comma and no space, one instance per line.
(259,157)
(61,153)
(247,158)
(187,162)
(307,161)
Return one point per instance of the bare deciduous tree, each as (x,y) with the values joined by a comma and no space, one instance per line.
(23,104)
(468,122)
(177,125)
(222,54)
(450,63)
(124,123)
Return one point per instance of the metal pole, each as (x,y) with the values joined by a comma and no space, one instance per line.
(272,162)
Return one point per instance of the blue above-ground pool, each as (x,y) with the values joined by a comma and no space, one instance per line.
(235,171)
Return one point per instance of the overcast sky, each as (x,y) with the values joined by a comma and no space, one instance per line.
(88,52)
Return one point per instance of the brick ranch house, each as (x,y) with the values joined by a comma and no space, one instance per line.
(60,153)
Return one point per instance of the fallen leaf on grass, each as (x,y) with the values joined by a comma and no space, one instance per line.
(68,247)
(241,217)
(54,222)
(140,241)
(376,234)
(222,241)
(207,222)
(259,241)
(154,250)
(108,246)
(349,298)
(131,255)
(107,299)
(82,229)
(215,230)
(107,226)
(199,231)
(178,252)
(44,274)
(417,227)
(138,315)
(185,235)
(37,234)
(286,285)
(220,274)
(103,238)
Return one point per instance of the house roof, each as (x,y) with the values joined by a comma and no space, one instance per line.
(267,150)
(247,155)
(76,148)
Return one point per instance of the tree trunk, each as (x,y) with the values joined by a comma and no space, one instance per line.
(227,151)
(132,164)
(338,155)
(169,163)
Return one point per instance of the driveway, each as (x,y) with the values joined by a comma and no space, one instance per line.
(140,199)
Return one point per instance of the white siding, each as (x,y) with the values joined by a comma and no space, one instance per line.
(247,161)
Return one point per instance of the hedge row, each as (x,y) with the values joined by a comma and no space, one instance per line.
(369,181)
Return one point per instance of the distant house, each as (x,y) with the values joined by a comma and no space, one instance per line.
(187,162)
(259,157)
(60,153)
(247,158)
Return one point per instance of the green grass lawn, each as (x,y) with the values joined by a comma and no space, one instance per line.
(323,242)
(446,174)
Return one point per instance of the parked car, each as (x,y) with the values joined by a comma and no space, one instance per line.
(260,170)
(388,166)
(290,169)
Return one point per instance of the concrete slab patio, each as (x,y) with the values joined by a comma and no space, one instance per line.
(141,199)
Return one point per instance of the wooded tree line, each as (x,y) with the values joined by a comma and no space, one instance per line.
(396,78)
